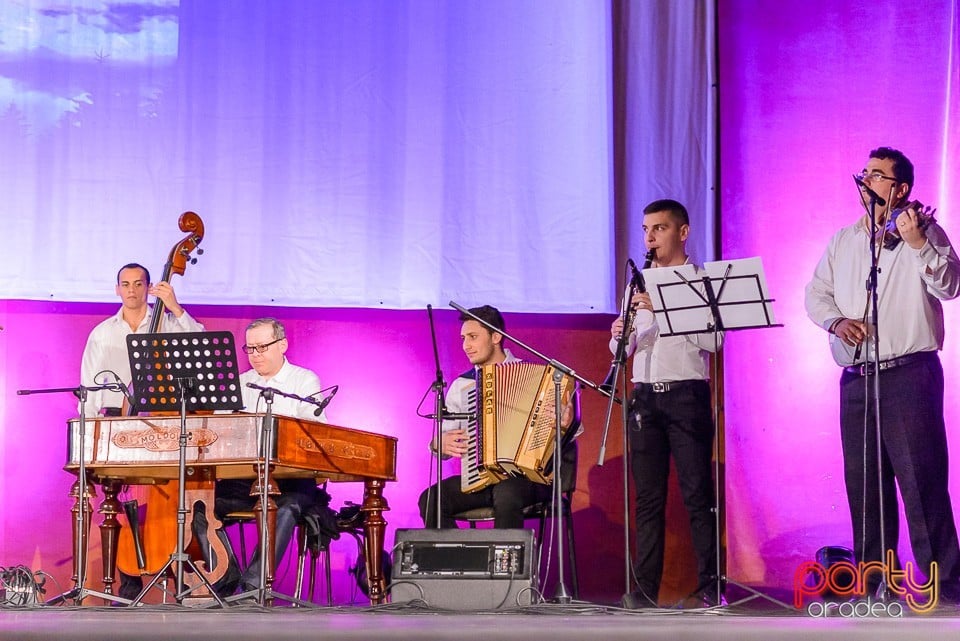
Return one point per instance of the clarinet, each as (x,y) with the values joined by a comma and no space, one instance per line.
(636,280)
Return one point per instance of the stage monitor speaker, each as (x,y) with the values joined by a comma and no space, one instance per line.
(464,569)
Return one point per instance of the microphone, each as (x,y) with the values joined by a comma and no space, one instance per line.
(326,400)
(452,416)
(121,387)
(873,195)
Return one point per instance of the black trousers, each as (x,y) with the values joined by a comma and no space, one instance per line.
(507,498)
(677,422)
(913,457)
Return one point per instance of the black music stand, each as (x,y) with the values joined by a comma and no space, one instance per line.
(185,372)
(728,295)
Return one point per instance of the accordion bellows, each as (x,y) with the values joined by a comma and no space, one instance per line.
(513,433)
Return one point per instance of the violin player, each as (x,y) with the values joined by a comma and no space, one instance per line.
(918,268)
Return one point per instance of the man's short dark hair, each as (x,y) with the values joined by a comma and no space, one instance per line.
(279,332)
(902,167)
(488,313)
(146,272)
(675,209)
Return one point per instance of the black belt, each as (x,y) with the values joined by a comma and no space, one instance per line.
(890,363)
(666,386)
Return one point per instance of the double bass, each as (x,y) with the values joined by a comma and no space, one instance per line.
(147,544)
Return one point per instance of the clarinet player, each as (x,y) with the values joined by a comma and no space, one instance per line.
(669,415)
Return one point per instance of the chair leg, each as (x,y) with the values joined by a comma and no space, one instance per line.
(572,548)
(543,519)
(301,560)
(244,561)
(326,575)
(312,584)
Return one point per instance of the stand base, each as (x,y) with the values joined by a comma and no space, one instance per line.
(181,594)
(77,595)
(265,598)
(754,594)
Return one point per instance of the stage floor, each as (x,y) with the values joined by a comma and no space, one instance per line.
(579,621)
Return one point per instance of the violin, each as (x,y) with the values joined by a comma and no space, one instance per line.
(149,539)
(891,233)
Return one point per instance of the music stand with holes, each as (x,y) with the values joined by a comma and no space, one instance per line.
(728,295)
(186,372)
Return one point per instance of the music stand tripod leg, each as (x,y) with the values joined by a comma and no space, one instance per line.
(179,556)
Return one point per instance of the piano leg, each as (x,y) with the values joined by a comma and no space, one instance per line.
(373,529)
(109,531)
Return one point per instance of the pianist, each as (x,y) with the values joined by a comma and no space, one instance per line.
(266,346)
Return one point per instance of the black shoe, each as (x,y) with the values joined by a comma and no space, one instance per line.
(228,583)
(950,593)
(636,600)
(130,586)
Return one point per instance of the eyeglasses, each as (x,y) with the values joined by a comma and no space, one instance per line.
(873,176)
(260,349)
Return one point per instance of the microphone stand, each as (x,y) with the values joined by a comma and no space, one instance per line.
(438,388)
(872,379)
(265,594)
(82,518)
(562,594)
(618,367)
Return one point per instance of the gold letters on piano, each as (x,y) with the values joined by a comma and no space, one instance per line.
(337,449)
(163,439)
(514,435)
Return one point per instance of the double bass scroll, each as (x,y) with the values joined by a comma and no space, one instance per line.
(192,224)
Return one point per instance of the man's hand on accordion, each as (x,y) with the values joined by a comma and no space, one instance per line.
(567,417)
(454,443)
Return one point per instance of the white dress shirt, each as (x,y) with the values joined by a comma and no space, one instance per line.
(910,286)
(661,359)
(106,349)
(292,379)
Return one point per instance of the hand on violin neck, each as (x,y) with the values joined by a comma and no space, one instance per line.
(910,229)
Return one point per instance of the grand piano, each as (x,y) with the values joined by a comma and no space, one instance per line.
(145,450)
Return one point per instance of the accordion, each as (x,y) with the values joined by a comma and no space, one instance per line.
(513,430)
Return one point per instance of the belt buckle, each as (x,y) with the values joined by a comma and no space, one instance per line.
(893,362)
(661,387)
